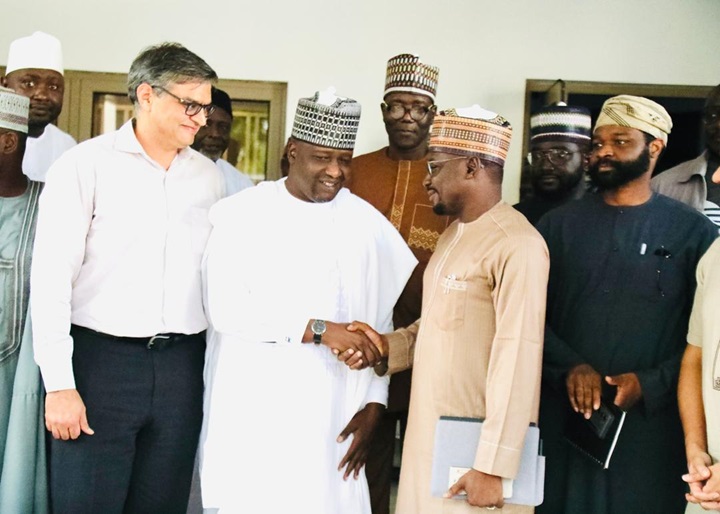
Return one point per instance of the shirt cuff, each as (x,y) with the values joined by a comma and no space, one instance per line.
(58,376)
(399,356)
(496,460)
(377,390)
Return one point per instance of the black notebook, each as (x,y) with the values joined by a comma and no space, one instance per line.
(596,437)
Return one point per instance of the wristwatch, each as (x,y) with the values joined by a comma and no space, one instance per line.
(318,328)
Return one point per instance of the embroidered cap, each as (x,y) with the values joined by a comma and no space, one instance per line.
(561,123)
(638,113)
(471,131)
(327,120)
(14,110)
(39,51)
(405,73)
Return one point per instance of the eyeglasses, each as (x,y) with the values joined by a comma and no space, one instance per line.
(191,108)
(435,167)
(417,112)
(556,156)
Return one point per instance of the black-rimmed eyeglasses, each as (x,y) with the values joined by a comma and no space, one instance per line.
(417,112)
(556,156)
(191,108)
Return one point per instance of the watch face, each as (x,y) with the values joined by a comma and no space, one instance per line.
(318,327)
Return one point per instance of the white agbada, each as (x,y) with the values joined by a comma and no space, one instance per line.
(42,151)
(275,406)
(235,180)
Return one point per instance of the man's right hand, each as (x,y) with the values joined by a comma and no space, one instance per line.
(354,360)
(65,415)
(339,339)
(584,389)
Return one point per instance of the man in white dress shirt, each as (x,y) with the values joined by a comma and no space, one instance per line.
(35,69)
(212,140)
(116,297)
(286,424)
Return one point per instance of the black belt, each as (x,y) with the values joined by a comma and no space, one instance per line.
(156,342)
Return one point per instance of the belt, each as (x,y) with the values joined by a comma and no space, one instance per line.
(157,342)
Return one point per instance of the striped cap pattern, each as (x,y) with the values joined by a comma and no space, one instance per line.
(561,123)
(405,73)
(333,126)
(14,110)
(487,139)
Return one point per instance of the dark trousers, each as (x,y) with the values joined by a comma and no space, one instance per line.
(145,407)
(379,468)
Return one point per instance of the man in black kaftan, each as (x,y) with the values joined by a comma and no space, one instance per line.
(622,279)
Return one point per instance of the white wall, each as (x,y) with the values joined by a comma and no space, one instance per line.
(485,49)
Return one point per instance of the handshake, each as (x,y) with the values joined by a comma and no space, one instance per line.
(356,344)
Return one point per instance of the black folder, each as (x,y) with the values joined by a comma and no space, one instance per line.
(596,437)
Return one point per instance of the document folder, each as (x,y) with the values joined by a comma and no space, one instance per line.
(456,442)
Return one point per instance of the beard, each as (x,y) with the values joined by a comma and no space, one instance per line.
(213,156)
(440,209)
(451,208)
(622,173)
(566,183)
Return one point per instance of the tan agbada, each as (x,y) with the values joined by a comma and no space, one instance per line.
(477,350)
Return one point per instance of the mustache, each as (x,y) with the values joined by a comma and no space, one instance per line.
(607,160)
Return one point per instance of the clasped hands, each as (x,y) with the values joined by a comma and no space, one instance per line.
(356,344)
(703,479)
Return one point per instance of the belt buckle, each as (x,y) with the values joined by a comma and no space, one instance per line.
(160,338)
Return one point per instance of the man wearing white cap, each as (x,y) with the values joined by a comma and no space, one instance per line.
(477,350)
(621,288)
(118,318)
(391,179)
(289,264)
(23,487)
(35,69)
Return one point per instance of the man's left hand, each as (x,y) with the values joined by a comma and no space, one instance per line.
(362,427)
(629,390)
(482,490)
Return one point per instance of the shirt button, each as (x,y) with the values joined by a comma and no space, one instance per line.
(615,248)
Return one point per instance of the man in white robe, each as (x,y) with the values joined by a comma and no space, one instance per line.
(213,139)
(278,408)
(35,70)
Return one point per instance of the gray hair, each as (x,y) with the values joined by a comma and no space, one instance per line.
(165,64)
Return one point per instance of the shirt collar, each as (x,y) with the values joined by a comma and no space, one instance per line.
(697,166)
(127,141)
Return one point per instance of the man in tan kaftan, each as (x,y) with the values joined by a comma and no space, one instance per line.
(477,349)
(391,179)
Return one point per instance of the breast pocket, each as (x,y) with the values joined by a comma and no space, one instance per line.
(9,341)
(451,301)
(660,277)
